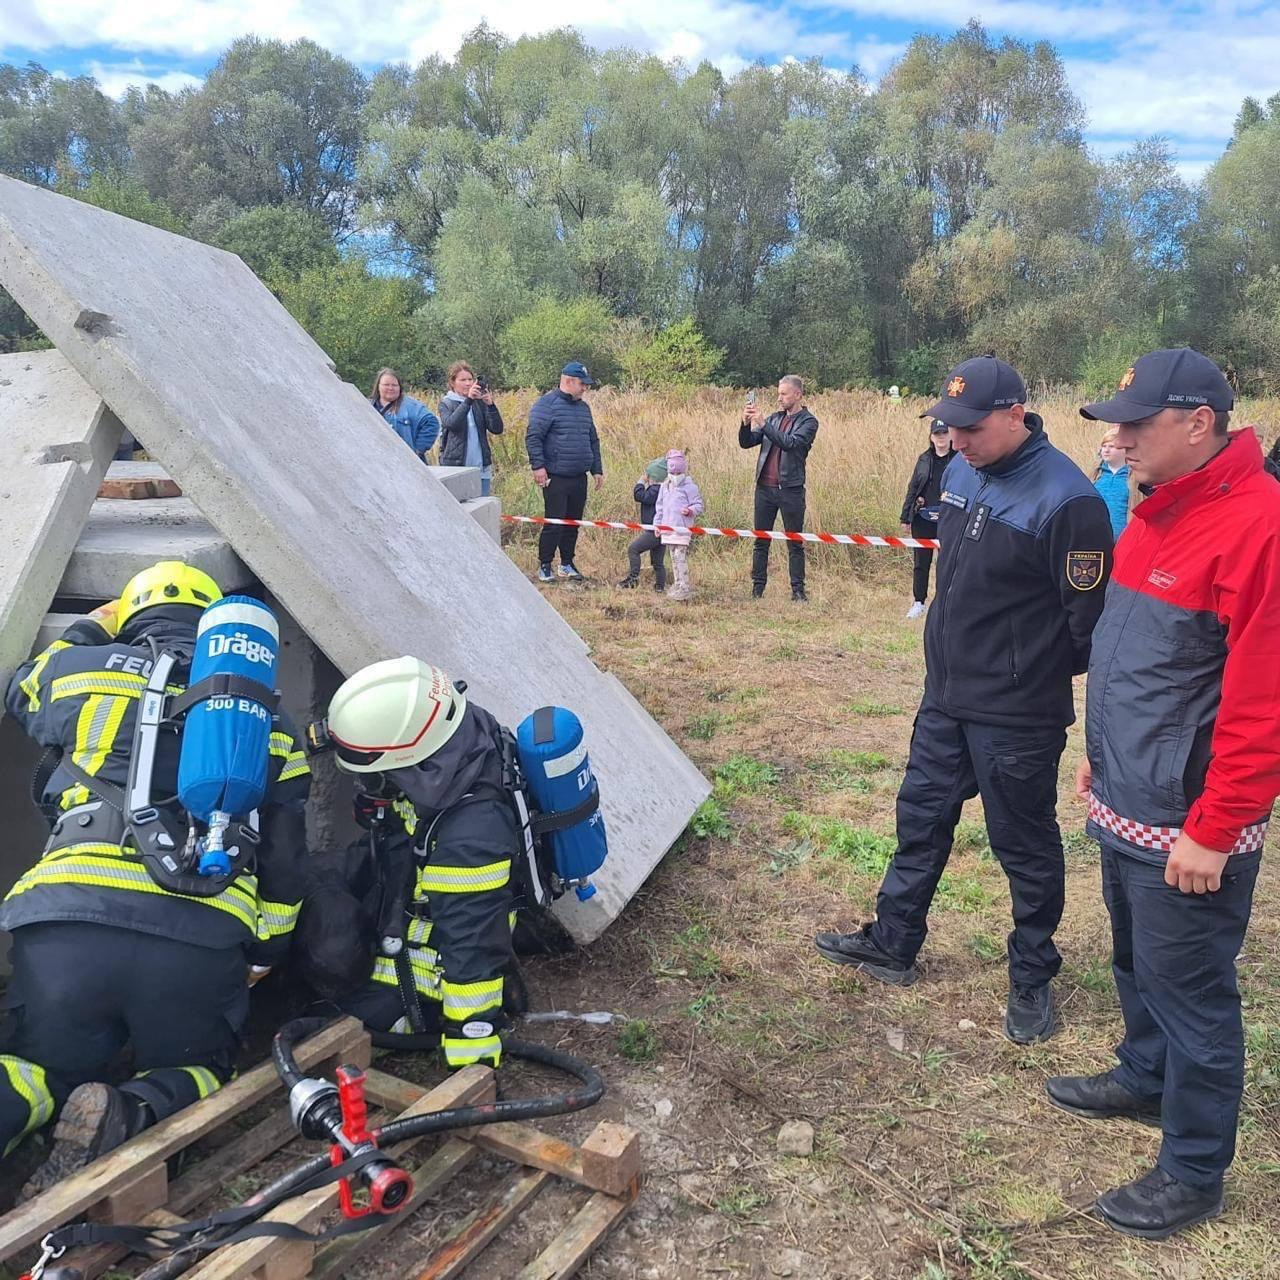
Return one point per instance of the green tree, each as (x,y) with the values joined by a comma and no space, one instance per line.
(277,242)
(126,196)
(678,355)
(536,345)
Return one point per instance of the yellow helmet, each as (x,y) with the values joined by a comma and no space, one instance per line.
(168,582)
(393,714)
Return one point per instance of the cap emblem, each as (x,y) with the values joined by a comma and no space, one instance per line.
(955,387)
(1127,380)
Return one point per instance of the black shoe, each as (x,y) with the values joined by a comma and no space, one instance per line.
(757,590)
(797,594)
(1100,1097)
(1029,1015)
(629,582)
(95,1120)
(545,574)
(858,949)
(660,585)
(1156,1205)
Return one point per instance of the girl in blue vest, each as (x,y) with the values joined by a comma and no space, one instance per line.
(1111,479)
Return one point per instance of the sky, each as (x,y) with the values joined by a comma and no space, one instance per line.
(1177,68)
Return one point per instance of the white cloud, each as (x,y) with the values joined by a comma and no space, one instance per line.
(115,77)
(875,56)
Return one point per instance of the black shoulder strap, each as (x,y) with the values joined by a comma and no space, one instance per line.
(224,686)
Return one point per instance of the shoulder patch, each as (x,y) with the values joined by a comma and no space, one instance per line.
(955,500)
(1084,569)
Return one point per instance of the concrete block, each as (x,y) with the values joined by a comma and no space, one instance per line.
(225,390)
(462,482)
(57,440)
(487,513)
(120,538)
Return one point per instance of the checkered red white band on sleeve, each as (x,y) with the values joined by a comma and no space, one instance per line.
(1162,839)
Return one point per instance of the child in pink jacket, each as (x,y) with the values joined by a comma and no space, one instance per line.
(679,505)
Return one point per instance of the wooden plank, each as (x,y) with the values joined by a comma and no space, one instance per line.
(148,1189)
(74,1196)
(579,1240)
(472,1084)
(523,1144)
(338,1257)
(611,1158)
(474,1233)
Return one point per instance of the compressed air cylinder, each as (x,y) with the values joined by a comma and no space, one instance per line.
(222,768)
(553,758)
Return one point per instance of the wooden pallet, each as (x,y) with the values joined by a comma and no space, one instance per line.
(131,1184)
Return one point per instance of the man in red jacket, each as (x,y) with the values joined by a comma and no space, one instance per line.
(1183,737)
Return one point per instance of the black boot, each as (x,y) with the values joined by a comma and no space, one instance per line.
(96,1119)
(858,949)
(630,581)
(757,590)
(1100,1098)
(1029,1015)
(798,595)
(1157,1204)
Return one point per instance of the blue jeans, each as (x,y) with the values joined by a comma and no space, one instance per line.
(486,481)
(1174,961)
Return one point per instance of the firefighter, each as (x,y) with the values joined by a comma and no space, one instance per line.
(434,903)
(103,956)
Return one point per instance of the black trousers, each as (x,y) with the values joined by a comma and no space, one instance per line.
(81,993)
(769,502)
(564,498)
(1015,770)
(921,559)
(1174,960)
(652,543)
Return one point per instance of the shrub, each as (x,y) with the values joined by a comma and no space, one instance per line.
(679,355)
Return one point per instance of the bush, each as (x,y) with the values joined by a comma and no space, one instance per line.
(679,355)
(1109,353)
(278,243)
(536,345)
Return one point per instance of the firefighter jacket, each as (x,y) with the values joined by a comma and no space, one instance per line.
(81,697)
(1182,723)
(1026,552)
(457,813)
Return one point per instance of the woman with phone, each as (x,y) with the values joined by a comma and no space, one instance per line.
(468,417)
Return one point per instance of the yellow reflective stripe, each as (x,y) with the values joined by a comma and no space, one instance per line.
(96,728)
(206,1081)
(31,685)
(462,1053)
(461,1000)
(418,932)
(79,865)
(280,744)
(276,918)
(404,810)
(27,1080)
(122,683)
(426,972)
(435,879)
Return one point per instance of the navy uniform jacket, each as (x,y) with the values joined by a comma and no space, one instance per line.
(1022,574)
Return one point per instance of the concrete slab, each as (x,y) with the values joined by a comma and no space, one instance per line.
(120,538)
(374,559)
(56,442)
(487,513)
(462,482)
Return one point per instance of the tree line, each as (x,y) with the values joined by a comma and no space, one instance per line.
(529,199)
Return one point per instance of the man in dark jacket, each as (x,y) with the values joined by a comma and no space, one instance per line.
(563,447)
(646,495)
(103,955)
(1182,728)
(1026,551)
(784,439)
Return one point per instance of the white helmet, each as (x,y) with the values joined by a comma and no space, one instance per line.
(393,714)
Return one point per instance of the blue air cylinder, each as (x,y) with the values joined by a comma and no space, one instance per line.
(553,758)
(222,768)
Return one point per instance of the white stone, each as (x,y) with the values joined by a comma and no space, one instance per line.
(967,1024)
(372,556)
(795,1138)
(897,1039)
(663,1109)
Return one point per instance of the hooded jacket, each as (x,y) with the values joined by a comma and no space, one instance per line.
(1182,723)
(454,412)
(80,697)
(1026,553)
(674,494)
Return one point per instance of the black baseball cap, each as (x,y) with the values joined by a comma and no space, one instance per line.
(976,388)
(937,427)
(1177,378)
(576,369)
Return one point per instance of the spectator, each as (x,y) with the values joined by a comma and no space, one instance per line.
(1026,548)
(563,447)
(679,505)
(785,439)
(468,417)
(1113,480)
(921,506)
(646,494)
(1182,733)
(410,419)
(1272,460)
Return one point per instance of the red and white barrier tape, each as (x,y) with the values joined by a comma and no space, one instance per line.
(778,535)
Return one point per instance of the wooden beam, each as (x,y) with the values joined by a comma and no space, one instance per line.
(578,1241)
(611,1158)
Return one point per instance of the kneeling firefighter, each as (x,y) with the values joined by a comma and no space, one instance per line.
(460,840)
(137,925)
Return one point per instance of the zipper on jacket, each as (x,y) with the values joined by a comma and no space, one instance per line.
(1013,651)
(955,569)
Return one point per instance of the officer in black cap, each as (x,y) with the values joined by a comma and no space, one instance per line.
(1026,551)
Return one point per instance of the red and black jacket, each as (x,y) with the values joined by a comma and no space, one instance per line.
(1183,717)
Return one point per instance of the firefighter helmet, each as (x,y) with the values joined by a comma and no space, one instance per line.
(392,715)
(168,582)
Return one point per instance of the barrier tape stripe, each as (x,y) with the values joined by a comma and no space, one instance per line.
(778,535)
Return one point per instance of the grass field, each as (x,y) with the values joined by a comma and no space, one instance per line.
(936,1154)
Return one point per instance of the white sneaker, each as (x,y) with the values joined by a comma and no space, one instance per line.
(916,610)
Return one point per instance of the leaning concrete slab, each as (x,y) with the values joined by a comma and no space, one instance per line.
(56,439)
(327,507)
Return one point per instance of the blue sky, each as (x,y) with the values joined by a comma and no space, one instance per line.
(1179,69)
